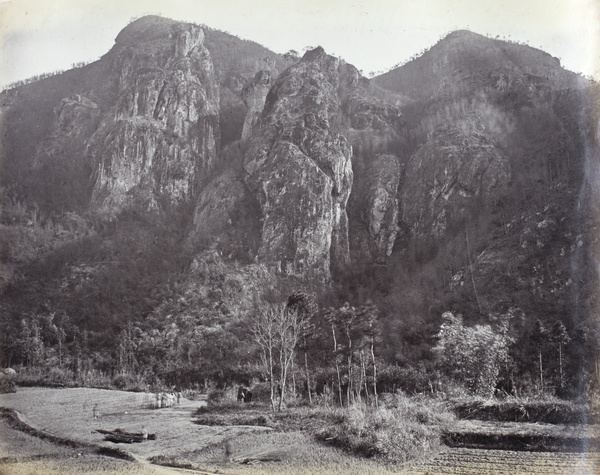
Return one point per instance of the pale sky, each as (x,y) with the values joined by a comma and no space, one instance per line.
(38,36)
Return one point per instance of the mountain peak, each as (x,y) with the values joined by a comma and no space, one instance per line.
(313,54)
(456,34)
(466,60)
(145,28)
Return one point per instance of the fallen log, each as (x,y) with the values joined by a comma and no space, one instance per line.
(119,436)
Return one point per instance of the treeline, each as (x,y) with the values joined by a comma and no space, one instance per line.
(38,77)
(298,348)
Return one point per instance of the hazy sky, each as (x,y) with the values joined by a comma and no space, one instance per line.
(39,36)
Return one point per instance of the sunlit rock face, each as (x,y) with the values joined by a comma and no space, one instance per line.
(155,145)
(300,169)
(380,205)
(254,95)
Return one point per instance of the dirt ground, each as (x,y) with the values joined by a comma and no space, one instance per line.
(505,462)
(77,413)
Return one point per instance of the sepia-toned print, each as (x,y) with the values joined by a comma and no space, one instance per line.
(300,237)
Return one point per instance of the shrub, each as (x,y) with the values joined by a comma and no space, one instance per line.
(472,356)
(401,429)
(40,376)
(222,397)
(127,381)
(60,377)
(7,386)
(261,392)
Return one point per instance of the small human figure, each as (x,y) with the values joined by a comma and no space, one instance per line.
(241,396)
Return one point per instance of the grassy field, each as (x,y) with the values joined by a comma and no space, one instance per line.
(231,444)
(402,436)
(22,453)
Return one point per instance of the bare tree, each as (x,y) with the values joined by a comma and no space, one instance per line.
(559,334)
(354,331)
(291,326)
(264,331)
(306,305)
(539,336)
(277,330)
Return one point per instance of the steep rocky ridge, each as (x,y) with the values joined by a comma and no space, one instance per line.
(235,62)
(318,106)
(489,197)
(159,140)
(458,188)
(466,61)
(301,171)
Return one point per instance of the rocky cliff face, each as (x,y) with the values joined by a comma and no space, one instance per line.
(161,137)
(381,207)
(448,176)
(226,218)
(143,76)
(462,177)
(254,96)
(300,169)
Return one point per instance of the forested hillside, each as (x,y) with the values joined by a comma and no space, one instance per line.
(189,196)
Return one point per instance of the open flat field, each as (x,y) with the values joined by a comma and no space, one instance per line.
(76,414)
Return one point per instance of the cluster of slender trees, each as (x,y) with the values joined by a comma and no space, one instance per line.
(333,355)
(289,336)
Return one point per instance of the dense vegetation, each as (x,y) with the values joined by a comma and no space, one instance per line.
(501,303)
(227,323)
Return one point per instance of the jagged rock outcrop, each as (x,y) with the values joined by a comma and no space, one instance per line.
(364,110)
(300,169)
(380,205)
(254,95)
(161,137)
(448,177)
(227,218)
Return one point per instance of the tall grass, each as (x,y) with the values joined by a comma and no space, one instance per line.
(547,409)
(400,429)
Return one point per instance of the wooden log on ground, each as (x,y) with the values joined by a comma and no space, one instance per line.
(119,436)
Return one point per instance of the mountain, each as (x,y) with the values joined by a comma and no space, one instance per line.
(188,176)
(466,61)
(37,111)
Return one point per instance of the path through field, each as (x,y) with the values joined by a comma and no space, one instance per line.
(77,413)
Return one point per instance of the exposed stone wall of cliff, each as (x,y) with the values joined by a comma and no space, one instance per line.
(300,169)
(161,137)
(254,95)
(449,176)
(226,218)
(61,157)
(380,204)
